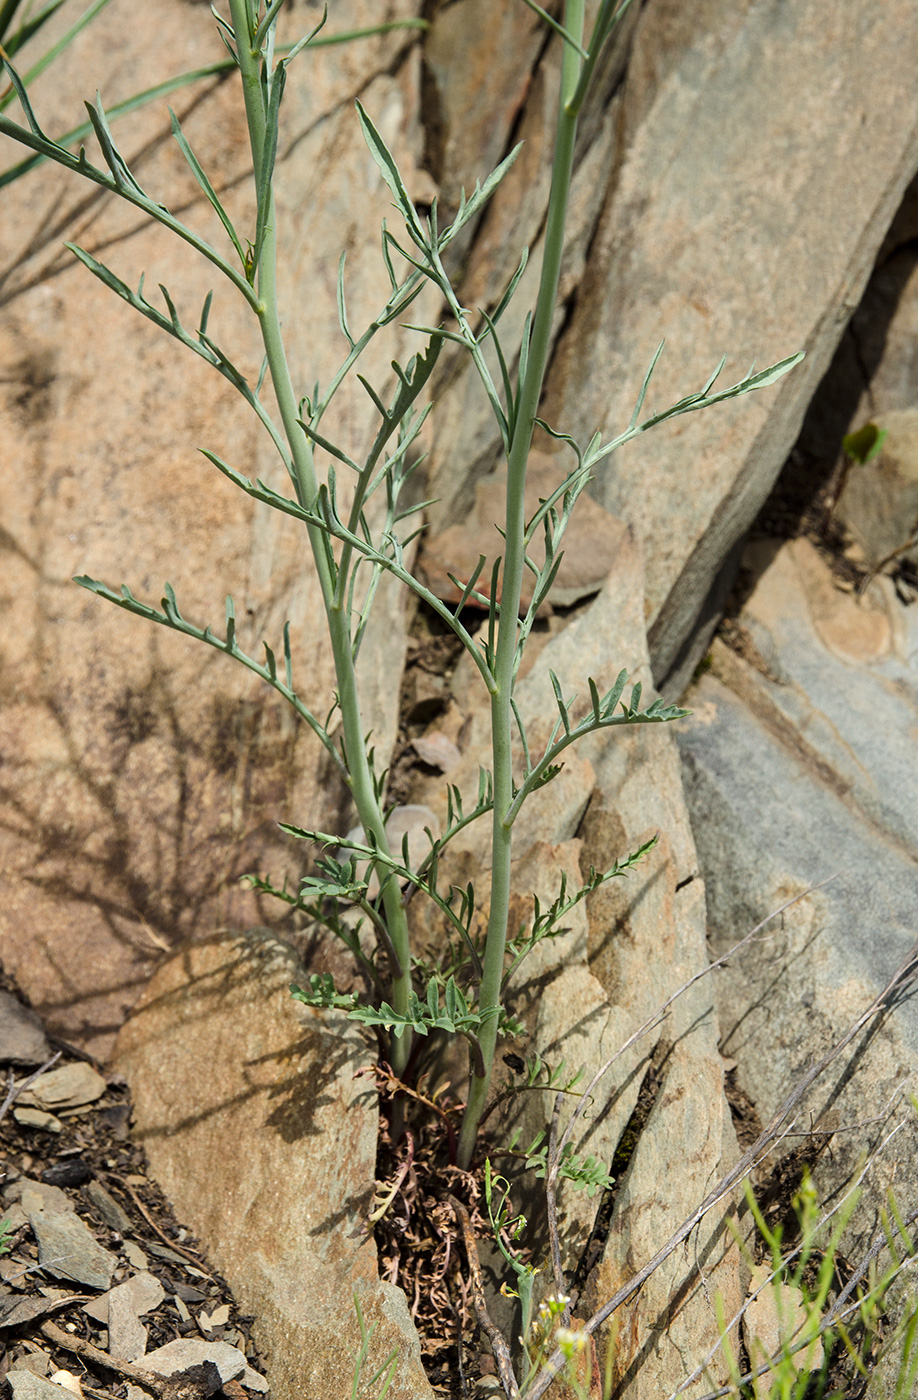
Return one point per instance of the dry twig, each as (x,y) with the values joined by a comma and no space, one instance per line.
(493,1332)
(79,1347)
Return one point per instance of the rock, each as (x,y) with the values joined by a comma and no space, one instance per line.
(147,779)
(66,1249)
(127,1336)
(70,1171)
(38,1362)
(772,1320)
(437,751)
(38,1195)
(144,1291)
(38,1118)
(68,1381)
(591,543)
(26,1386)
(135,1256)
(659,222)
(800,768)
(22,1035)
(67,1087)
(114,1217)
(708,244)
(581,995)
(878,503)
(280,1088)
(184,1352)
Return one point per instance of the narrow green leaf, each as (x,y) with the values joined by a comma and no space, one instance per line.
(594,700)
(387,167)
(269,156)
(342,311)
(645,383)
(611,699)
(511,288)
(29,27)
(557,27)
(562,707)
(200,175)
(270,18)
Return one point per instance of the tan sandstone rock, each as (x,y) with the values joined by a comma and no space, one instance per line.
(256,1128)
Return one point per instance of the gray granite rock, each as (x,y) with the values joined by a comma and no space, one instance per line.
(708,239)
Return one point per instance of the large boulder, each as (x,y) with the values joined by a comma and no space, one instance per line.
(143,773)
(724,167)
(247,1105)
(800,769)
(630,946)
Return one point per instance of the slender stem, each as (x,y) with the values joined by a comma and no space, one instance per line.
(502,697)
(360,776)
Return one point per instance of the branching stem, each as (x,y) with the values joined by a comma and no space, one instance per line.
(361,781)
(514,563)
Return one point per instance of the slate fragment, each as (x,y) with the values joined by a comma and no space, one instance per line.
(22,1035)
(69,1086)
(66,1249)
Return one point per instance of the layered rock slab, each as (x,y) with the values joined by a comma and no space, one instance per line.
(800,768)
(257,1130)
(726,228)
(142,773)
(581,995)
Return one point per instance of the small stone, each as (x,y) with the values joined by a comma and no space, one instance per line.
(22,1035)
(37,1118)
(68,1250)
(127,1336)
(113,1215)
(25,1386)
(144,1291)
(38,1362)
(14,1218)
(135,1256)
(66,1087)
(68,1381)
(38,1195)
(178,1355)
(70,1171)
(253,1381)
(437,751)
(209,1322)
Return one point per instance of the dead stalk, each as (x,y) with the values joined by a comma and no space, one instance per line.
(14,1089)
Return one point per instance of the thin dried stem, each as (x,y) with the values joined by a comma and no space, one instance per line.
(492,1331)
(14,1089)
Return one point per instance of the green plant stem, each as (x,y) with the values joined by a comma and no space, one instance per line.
(360,776)
(514,552)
